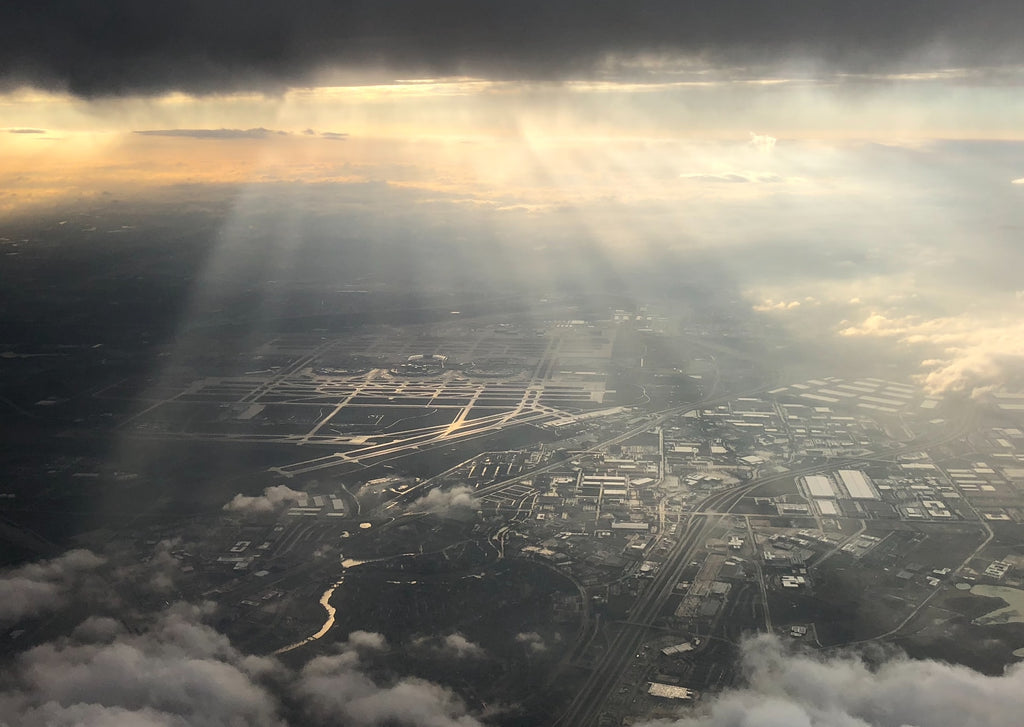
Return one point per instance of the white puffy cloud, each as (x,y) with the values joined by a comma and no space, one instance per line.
(787,689)
(367,640)
(533,641)
(438,500)
(349,695)
(171,669)
(41,587)
(98,629)
(762,142)
(272,499)
(346,656)
(61,567)
(179,672)
(772,305)
(336,689)
(455,646)
(975,352)
(460,647)
(163,567)
(157,573)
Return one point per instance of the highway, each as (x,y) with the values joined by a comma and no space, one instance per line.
(585,709)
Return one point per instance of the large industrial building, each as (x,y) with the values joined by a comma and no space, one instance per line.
(819,486)
(857,485)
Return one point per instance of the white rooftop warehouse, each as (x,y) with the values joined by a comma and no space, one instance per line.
(819,486)
(670,691)
(858,485)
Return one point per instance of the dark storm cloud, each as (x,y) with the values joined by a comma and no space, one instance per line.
(123,46)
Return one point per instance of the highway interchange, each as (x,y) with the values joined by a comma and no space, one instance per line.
(706,516)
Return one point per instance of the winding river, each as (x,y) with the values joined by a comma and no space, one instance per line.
(325,601)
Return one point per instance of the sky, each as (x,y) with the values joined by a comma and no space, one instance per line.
(853,169)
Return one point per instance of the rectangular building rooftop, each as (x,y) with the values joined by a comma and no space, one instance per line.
(858,485)
(669,691)
(819,486)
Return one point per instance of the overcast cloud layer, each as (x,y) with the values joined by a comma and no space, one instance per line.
(123,46)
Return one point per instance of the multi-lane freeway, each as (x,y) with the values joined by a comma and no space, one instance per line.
(586,707)
(606,674)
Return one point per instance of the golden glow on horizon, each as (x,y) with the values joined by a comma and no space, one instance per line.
(401,89)
(695,104)
(514,145)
